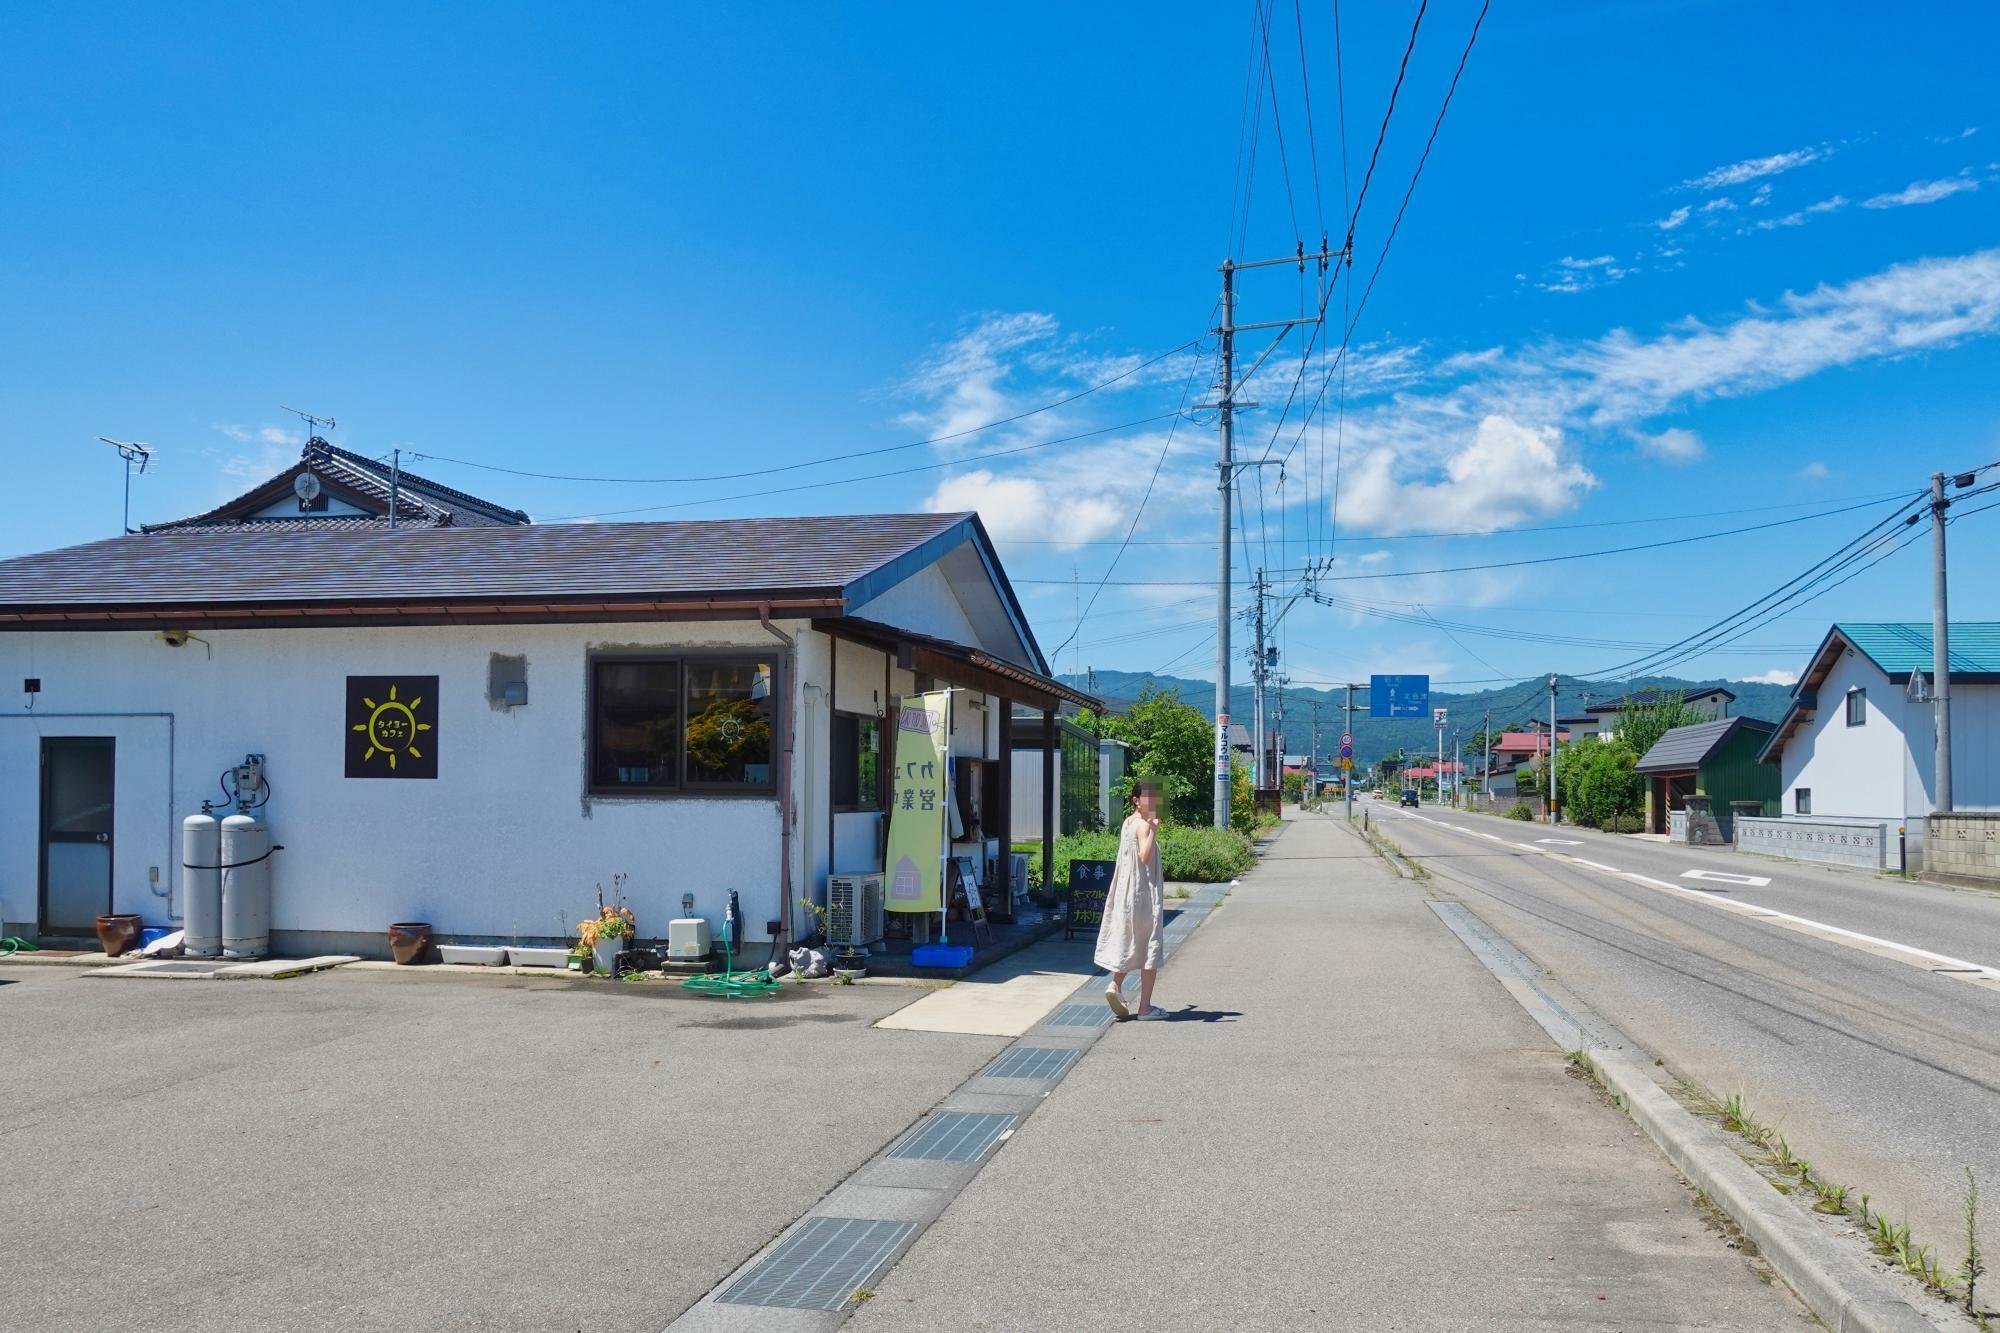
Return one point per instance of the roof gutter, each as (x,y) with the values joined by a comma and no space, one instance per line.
(254,616)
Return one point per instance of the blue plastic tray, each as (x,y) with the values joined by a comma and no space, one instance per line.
(941,955)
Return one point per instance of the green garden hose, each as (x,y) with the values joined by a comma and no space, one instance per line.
(727,982)
(14,944)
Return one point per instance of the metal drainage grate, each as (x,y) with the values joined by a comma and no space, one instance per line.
(1079,1016)
(1032,1062)
(821,1265)
(955,1136)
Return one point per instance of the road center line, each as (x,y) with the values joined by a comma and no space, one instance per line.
(1936,964)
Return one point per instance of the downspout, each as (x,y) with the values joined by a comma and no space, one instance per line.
(785,806)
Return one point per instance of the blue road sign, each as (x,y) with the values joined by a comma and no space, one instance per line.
(1399,696)
(1347,752)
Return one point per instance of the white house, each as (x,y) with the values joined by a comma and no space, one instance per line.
(1856,746)
(700,706)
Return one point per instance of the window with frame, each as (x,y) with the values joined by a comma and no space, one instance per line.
(855,765)
(662,725)
(1802,800)
(1857,707)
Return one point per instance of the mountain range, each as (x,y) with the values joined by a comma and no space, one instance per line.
(1511,706)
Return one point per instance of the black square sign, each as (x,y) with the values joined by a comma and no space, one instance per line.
(392,727)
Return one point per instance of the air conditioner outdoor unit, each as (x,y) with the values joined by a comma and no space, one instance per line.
(853,910)
(1017,875)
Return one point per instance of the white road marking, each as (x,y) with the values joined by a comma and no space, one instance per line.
(1936,964)
(1724,877)
(1559,842)
(1597,865)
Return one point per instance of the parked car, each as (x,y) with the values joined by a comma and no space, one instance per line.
(1410,797)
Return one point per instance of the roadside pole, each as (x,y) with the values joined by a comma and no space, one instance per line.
(1347,772)
(1940,648)
(1555,806)
(1486,774)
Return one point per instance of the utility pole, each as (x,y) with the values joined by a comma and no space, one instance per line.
(1554,807)
(1347,774)
(1486,774)
(1257,682)
(1457,763)
(1940,647)
(395,481)
(1226,404)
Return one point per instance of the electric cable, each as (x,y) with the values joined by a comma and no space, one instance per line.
(830,458)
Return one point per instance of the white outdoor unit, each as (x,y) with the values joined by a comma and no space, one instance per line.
(1017,875)
(853,910)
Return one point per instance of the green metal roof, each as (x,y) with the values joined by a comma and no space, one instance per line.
(1901,649)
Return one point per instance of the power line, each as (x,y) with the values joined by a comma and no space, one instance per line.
(1312,137)
(830,458)
(1140,512)
(871,476)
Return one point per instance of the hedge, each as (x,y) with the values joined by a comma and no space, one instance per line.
(1189,854)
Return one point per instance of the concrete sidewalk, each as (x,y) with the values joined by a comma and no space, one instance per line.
(1371,1137)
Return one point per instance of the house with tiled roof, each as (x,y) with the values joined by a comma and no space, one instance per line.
(471,720)
(1858,742)
(331,487)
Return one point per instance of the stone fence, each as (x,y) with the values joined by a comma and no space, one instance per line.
(1868,844)
(1965,845)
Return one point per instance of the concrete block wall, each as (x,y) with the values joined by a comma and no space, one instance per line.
(1964,845)
(1865,844)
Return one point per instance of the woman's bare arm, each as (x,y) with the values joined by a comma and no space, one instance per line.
(1149,833)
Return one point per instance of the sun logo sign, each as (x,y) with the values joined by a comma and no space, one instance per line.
(391,727)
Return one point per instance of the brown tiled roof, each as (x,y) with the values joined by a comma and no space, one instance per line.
(420,502)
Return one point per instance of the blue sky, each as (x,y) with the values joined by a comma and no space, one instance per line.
(1665,260)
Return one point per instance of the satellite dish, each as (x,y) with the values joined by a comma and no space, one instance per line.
(306,487)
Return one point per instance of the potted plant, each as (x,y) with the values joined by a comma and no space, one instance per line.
(606,935)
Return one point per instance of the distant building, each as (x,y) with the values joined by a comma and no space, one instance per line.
(1713,759)
(1711,704)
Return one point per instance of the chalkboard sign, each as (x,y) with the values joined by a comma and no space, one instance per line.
(1089,883)
(967,886)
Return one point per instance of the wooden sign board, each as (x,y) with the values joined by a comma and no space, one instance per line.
(965,880)
(1089,884)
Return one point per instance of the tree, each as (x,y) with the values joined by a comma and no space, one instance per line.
(1242,799)
(1598,780)
(1294,786)
(1640,725)
(1171,745)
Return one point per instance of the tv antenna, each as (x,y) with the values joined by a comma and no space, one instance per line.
(142,454)
(313,423)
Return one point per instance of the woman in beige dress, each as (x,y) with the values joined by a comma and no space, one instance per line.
(1131,937)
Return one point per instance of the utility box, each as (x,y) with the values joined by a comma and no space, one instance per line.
(689,939)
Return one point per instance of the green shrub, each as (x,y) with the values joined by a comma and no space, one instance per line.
(1522,813)
(1195,854)
(1623,824)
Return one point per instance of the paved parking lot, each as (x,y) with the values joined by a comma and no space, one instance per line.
(382,1150)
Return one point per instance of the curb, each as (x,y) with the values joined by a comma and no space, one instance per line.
(1833,1283)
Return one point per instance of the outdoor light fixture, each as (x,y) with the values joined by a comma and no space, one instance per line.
(1964,479)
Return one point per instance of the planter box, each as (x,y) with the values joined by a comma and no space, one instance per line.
(521,956)
(485,955)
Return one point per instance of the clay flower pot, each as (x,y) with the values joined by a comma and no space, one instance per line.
(118,933)
(409,941)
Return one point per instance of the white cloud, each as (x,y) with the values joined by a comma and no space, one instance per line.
(1571,274)
(1761,197)
(1506,473)
(1722,203)
(1775,676)
(1674,219)
(965,379)
(1816,471)
(1771,224)
(1922,192)
(1739,172)
(1829,205)
(275,435)
(260,466)
(1023,508)
(1674,445)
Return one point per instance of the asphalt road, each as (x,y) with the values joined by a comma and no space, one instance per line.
(379,1150)
(1883,1074)
(1354,1127)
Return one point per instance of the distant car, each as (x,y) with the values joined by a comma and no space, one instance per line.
(1410,797)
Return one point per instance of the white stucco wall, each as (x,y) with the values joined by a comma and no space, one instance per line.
(504,840)
(924,602)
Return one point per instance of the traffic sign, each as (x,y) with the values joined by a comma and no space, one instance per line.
(1398,696)
(1437,718)
(1345,762)
(1347,738)
(1346,751)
